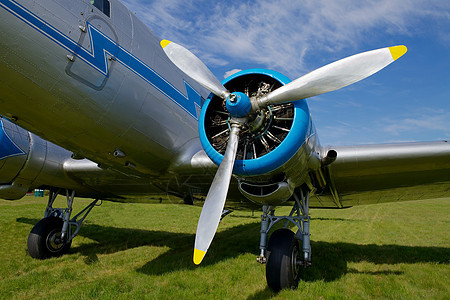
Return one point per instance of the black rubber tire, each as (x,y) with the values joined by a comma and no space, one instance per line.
(41,240)
(283,250)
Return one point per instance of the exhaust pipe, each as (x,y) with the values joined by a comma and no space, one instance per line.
(329,158)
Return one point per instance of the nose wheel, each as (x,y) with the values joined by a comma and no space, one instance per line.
(282,254)
(284,260)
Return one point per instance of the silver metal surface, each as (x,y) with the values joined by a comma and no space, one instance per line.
(61,104)
(80,109)
(392,172)
(266,193)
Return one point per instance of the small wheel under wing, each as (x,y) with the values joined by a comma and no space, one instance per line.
(283,267)
(44,240)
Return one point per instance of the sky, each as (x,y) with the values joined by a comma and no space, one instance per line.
(407,101)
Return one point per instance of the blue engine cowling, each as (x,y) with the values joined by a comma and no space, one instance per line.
(283,129)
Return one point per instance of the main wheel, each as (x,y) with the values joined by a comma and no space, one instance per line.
(44,240)
(282,267)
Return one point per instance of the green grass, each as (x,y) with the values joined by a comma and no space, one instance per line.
(133,251)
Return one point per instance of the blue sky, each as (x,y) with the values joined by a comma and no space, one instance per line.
(407,101)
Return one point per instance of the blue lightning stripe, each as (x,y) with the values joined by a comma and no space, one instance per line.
(7,146)
(101,47)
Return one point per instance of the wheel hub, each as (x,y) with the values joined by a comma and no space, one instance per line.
(54,242)
(295,262)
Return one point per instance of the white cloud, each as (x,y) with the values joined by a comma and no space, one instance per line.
(432,120)
(231,72)
(283,34)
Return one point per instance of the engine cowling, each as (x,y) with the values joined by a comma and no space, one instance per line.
(27,161)
(14,146)
(275,135)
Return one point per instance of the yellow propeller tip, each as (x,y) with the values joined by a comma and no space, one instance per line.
(397,51)
(164,43)
(198,256)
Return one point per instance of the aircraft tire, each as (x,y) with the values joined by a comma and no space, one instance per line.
(282,271)
(42,241)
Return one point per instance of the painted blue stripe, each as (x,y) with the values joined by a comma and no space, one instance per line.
(101,47)
(7,146)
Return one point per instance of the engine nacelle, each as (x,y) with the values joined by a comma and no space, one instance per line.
(276,150)
(27,161)
(14,148)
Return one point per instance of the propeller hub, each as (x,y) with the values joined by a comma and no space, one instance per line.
(238,104)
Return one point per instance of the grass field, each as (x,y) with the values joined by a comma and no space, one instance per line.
(133,251)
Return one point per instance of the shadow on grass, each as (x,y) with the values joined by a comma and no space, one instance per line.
(227,244)
(335,219)
(353,271)
(266,293)
(329,259)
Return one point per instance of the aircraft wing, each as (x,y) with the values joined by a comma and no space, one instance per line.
(387,173)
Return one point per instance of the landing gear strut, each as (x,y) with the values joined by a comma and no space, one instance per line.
(282,254)
(52,236)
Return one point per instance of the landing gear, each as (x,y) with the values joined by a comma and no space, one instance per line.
(282,254)
(52,236)
(44,240)
(282,267)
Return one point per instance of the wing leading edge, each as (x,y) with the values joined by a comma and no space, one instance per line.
(388,173)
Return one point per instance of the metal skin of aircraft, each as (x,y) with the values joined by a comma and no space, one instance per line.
(95,105)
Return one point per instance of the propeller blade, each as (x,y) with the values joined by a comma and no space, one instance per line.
(215,200)
(334,76)
(190,64)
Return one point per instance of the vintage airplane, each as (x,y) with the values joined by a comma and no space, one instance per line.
(95,105)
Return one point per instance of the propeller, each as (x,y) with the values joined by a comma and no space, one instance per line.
(328,78)
(334,76)
(190,64)
(215,199)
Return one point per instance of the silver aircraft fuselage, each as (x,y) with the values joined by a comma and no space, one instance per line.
(102,89)
(98,84)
